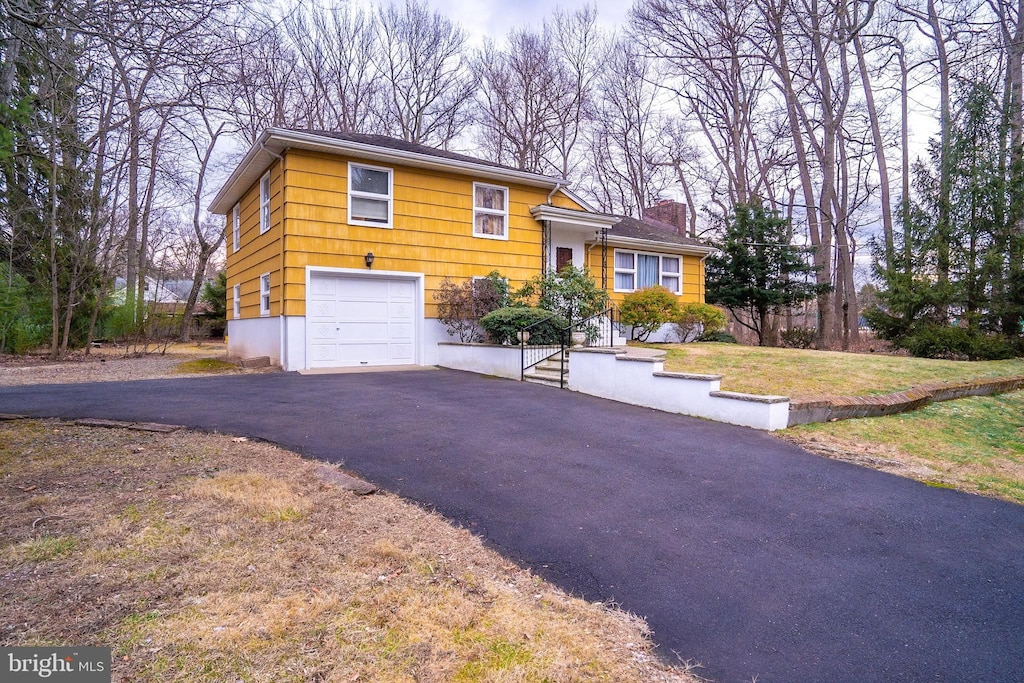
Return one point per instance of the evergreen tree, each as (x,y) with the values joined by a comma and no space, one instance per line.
(758,272)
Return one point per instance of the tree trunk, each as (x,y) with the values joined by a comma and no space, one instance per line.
(879,144)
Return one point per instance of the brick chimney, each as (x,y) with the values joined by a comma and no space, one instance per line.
(671,212)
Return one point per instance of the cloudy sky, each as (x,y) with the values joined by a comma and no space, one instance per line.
(494,18)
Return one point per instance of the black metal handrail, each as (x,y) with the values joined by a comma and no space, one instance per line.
(538,353)
(599,330)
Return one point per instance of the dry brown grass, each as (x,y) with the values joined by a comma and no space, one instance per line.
(200,558)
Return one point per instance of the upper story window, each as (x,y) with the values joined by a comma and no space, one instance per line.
(369,195)
(236,307)
(635,270)
(490,211)
(265,294)
(236,227)
(265,203)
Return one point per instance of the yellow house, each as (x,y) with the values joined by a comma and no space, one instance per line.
(336,243)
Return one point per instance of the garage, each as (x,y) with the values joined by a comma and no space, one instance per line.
(360,320)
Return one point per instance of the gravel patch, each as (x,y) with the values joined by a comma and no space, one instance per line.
(98,369)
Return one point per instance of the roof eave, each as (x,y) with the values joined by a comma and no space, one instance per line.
(696,249)
(273,141)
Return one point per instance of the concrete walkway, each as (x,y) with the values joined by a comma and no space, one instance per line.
(743,552)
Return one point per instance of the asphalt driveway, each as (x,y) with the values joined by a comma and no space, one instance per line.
(743,552)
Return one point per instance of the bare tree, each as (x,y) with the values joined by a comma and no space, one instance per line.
(428,88)
(627,130)
(336,49)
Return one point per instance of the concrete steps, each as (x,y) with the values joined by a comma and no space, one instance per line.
(548,372)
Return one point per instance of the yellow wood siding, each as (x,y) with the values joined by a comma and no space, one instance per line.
(431,233)
(257,254)
(693,273)
(432,229)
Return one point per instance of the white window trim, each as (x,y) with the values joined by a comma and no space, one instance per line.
(662,273)
(390,198)
(265,204)
(236,227)
(265,295)
(236,304)
(492,212)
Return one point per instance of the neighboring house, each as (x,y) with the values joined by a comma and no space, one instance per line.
(337,242)
(154,292)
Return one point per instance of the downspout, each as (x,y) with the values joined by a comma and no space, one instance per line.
(282,336)
(703,278)
(558,186)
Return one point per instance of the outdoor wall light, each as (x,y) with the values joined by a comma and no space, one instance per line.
(369,259)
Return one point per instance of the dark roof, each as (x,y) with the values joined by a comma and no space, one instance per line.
(403,146)
(650,229)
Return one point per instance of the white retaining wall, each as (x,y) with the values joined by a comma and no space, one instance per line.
(642,381)
(487,359)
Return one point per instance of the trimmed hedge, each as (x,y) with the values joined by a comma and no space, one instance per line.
(502,325)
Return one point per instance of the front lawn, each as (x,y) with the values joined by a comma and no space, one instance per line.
(207,558)
(802,374)
(973,444)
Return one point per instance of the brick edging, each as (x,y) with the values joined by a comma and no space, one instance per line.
(847,407)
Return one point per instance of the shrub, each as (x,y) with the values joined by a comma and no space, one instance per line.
(932,340)
(502,325)
(647,310)
(570,292)
(799,337)
(720,337)
(460,306)
(697,319)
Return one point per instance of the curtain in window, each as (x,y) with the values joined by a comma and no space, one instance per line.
(646,270)
(670,273)
(624,260)
(374,210)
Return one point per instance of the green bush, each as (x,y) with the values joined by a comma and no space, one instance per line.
(502,325)
(570,292)
(647,310)
(696,319)
(799,337)
(720,337)
(931,340)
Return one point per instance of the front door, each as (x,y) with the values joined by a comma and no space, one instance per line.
(563,258)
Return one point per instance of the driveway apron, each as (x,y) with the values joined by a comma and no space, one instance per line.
(744,553)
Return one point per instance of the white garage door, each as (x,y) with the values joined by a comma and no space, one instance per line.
(353,321)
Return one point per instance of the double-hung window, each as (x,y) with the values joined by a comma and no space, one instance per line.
(236,302)
(636,270)
(265,203)
(265,294)
(369,195)
(490,211)
(236,227)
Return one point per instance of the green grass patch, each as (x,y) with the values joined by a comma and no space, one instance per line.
(976,443)
(48,547)
(205,366)
(500,655)
(802,374)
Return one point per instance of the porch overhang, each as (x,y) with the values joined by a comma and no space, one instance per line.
(573,220)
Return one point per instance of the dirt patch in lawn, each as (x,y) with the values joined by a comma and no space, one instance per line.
(110,364)
(210,558)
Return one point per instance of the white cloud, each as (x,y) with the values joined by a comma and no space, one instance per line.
(485,18)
